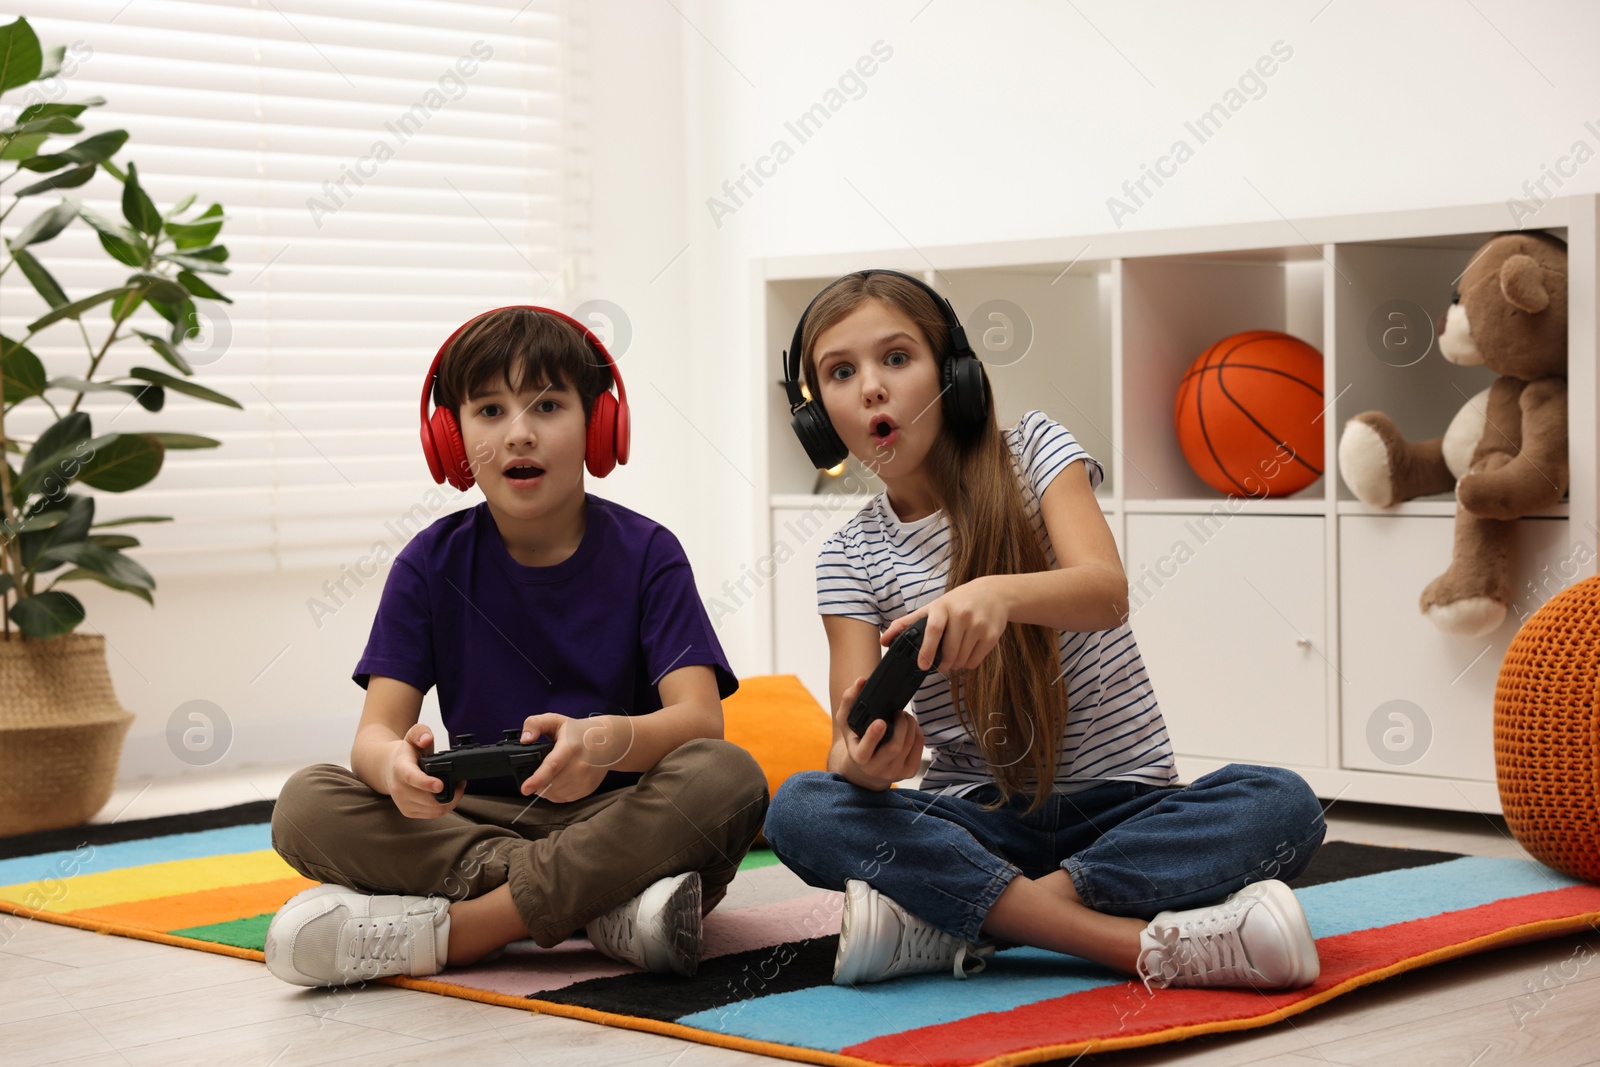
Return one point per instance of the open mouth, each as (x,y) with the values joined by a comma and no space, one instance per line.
(882,428)
(523,472)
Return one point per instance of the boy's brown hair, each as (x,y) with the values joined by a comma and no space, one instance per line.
(523,347)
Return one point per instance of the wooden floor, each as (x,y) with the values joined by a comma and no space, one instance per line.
(74,997)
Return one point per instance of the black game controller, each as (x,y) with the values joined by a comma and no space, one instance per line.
(468,761)
(893,683)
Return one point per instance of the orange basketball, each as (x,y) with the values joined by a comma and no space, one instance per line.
(1249,414)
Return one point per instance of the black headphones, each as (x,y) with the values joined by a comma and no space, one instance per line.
(964,393)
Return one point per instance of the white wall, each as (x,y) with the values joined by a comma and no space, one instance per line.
(995,122)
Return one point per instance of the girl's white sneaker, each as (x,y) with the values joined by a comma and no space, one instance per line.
(879,939)
(1258,937)
(329,935)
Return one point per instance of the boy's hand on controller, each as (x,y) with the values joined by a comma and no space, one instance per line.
(584,750)
(883,763)
(969,619)
(411,789)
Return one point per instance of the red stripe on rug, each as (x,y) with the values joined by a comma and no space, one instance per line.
(1125,1015)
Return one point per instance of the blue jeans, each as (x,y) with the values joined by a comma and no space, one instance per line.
(1130,849)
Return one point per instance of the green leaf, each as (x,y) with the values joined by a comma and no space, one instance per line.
(24,374)
(128,462)
(48,614)
(106,561)
(183,385)
(180,207)
(73,310)
(210,253)
(75,527)
(131,519)
(159,289)
(113,540)
(45,225)
(22,146)
(78,574)
(20,57)
(164,349)
(43,283)
(34,523)
(123,244)
(196,233)
(48,124)
(66,180)
(137,207)
(190,263)
(198,287)
(96,149)
(58,469)
(123,307)
(184,318)
(23,371)
(72,111)
(58,439)
(170,441)
(150,397)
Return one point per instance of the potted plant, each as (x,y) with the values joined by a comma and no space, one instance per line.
(59,717)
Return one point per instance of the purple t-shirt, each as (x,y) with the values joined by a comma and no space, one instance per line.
(591,635)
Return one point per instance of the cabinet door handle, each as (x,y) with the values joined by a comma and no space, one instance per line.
(1303,642)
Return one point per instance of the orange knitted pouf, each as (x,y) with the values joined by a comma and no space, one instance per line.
(1547,732)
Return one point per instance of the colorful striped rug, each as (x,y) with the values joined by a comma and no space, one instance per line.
(211,881)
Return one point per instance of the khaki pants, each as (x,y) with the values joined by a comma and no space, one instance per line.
(699,809)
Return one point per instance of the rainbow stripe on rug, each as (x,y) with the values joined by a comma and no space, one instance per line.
(211,881)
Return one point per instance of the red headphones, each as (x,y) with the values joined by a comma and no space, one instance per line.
(607,442)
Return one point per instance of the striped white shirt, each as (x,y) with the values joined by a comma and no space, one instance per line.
(878,568)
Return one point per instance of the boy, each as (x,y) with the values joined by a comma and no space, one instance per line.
(542,609)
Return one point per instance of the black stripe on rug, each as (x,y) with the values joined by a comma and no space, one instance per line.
(257,811)
(721,982)
(1338,860)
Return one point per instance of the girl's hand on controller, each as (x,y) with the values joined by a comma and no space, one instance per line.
(584,750)
(411,789)
(880,763)
(969,620)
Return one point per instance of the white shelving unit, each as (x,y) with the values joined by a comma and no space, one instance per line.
(1281,631)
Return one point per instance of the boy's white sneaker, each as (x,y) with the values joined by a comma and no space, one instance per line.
(1257,937)
(329,935)
(879,939)
(658,930)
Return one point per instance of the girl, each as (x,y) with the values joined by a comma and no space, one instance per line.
(1050,815)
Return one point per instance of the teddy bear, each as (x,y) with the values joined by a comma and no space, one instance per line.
(1505,452)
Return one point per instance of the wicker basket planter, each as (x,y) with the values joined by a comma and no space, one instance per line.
(61,732)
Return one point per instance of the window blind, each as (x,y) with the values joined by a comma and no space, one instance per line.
(387,171)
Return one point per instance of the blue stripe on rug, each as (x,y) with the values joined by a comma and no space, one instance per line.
(833,1018)
(94,859)
(1335,908)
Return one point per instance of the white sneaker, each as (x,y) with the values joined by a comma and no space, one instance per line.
(1257,937)
(879,939)
(329,935)
(658,930)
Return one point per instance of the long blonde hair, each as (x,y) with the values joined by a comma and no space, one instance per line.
(1014,703)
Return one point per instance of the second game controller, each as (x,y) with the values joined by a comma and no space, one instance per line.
(468,761)
(893,683)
